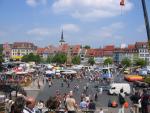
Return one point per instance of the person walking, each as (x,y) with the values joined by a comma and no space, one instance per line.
(83,104)
(96,96)
(30,104)
(68,84)
(40,106)
(71,104)
(92,106)
(145,102)
(18,106)
(101,110)
(135,100)
(121,101)
(50,83)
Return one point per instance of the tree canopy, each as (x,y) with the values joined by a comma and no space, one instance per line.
(76,60)
(31,58)
(59,58)
(49,59)
(108,61)
(1,56)
(126,62)
(87,47)
(91,61)
(140,62)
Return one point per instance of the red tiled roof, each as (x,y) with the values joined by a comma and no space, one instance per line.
(25,45)
(76,48)
(109,48)
(131,46)
(140,43)
(129,49)
(94,52)
(63,48)
(40,50)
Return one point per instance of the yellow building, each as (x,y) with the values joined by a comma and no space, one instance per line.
(19,49)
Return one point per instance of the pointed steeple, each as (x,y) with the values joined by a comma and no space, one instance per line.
(62,39)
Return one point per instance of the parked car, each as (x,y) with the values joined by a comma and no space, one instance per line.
(103,87)
(116,87)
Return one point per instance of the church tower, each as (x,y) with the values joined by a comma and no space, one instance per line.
(62,39)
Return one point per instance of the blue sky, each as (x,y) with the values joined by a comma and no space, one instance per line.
(87,22)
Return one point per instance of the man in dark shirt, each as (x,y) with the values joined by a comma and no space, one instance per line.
(92,106)
(145,102)
(135,100)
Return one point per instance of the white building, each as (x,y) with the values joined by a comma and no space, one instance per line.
(143,51)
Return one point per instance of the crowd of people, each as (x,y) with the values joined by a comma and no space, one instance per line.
(68,103)
(28,104)
(140,101)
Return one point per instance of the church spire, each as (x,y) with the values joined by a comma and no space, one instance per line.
(62,39)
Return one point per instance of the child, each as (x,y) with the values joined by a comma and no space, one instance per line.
(101,110)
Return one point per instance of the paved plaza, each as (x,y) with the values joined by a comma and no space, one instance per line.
(45,92)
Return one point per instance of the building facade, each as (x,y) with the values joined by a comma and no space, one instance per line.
(143,51)
(129,52)
(19,49)
(7,51)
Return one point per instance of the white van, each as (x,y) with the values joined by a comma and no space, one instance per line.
(116,87)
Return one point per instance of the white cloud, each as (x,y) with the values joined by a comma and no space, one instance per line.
(90,10)
(70,27)
(113,27)
(40,32)
(34,3)
(111,31)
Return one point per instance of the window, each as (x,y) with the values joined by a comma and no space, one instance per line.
(146,55)
(141,55)
(113,88)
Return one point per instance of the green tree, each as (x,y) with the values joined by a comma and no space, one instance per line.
(1,60)
(1,53)
(126,62)
(37,58)
(43,60)
(76,60)
(108,61)
(25,58)
(147,80)
(49,59)
(1,48)
(1,56)
(140,62)
(87,47)
(60,58)
(91,61)
(31,58)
